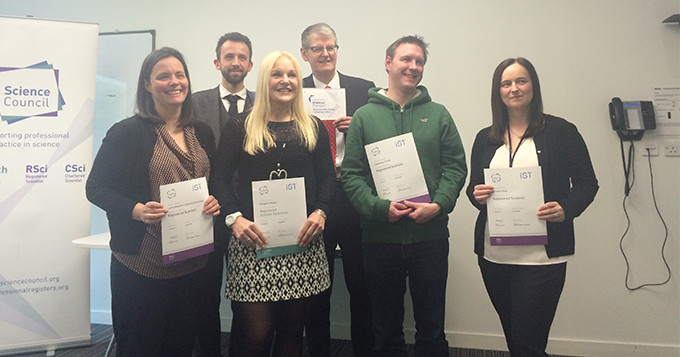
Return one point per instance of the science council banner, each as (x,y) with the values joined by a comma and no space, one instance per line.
(47,90)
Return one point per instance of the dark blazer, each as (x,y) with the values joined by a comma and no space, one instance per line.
(568,179)
(119,178)
(208,108)
(356,90)
(208,105)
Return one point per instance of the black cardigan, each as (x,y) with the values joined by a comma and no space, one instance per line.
(568,179)
(119,178)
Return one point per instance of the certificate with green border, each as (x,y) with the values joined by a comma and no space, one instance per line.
(280,211)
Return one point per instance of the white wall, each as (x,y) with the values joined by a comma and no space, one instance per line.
(585,53)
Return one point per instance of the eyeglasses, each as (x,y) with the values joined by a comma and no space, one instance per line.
(319,49)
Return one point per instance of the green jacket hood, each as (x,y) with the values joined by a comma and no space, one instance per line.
(376,95)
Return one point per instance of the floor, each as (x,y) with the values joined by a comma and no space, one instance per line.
(101,335)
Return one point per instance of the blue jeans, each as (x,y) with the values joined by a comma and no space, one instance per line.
(426,265)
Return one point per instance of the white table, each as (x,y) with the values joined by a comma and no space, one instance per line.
(97,241)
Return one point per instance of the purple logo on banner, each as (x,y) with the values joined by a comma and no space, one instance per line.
(31,91)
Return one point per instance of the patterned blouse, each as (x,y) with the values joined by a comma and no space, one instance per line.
(169,164)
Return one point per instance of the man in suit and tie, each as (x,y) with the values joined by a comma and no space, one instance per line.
(320,49)
(216,106)
(230,100)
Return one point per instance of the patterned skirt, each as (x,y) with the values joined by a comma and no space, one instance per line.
(278,278)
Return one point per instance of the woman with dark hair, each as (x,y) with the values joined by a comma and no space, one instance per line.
(524,282)
(278,140)
(153,304)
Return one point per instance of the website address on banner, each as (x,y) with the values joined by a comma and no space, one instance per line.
(32,285)
(25,281)
(34,290)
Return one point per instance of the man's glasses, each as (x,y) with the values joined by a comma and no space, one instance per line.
(319,49)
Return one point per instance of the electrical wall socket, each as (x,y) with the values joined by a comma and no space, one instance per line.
(653,148)
(671,148)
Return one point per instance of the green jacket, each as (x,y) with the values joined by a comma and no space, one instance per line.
(441,156)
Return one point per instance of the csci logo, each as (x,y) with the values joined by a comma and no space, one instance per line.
(74,168)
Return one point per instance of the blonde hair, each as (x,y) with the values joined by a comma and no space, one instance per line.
(258,137)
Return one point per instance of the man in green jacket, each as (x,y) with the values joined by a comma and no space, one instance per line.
(407,237)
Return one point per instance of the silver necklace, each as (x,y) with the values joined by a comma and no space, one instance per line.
(278,172)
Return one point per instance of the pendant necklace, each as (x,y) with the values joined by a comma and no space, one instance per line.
(278,172)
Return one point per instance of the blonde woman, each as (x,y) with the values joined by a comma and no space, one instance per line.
(278,140)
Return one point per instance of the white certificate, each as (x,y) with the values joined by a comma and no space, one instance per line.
(325,103)
(517,194)
(280,211)
(396,169)
(185,230)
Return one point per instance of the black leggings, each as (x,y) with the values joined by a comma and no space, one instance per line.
(153,317)
(258,325)
(526,298)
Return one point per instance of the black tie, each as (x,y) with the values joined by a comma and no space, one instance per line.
(233,107)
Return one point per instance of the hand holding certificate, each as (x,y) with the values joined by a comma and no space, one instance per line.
(186,231)
(280,211)
(517,195)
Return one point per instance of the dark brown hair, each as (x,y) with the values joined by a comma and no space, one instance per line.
(145,107)
(234,37)
(414,39)
(499,122)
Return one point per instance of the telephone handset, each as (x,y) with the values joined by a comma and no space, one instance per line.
(631,119)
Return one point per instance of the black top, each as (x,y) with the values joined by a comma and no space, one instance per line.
(119,178)
(568,179)
(235,169)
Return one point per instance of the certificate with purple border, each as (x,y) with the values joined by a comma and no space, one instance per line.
(396,169)
(517,194)
(185,230)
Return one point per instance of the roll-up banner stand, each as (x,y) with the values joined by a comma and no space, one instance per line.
(47,91)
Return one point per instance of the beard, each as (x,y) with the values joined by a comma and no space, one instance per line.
(234,77)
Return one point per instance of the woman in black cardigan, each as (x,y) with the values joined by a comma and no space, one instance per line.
(525,282)
(153,304)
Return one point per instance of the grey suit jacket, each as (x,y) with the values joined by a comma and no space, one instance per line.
(356,90)
(207,106)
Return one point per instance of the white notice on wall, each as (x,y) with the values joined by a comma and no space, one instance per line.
(667,110)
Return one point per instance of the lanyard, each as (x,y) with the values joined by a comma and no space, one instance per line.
(510,153)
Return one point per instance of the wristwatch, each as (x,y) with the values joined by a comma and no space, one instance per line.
(229,220)
(321,213)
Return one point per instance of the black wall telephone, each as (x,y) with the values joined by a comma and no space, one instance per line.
(631,119)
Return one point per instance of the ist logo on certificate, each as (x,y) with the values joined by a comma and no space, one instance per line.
(517,194)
